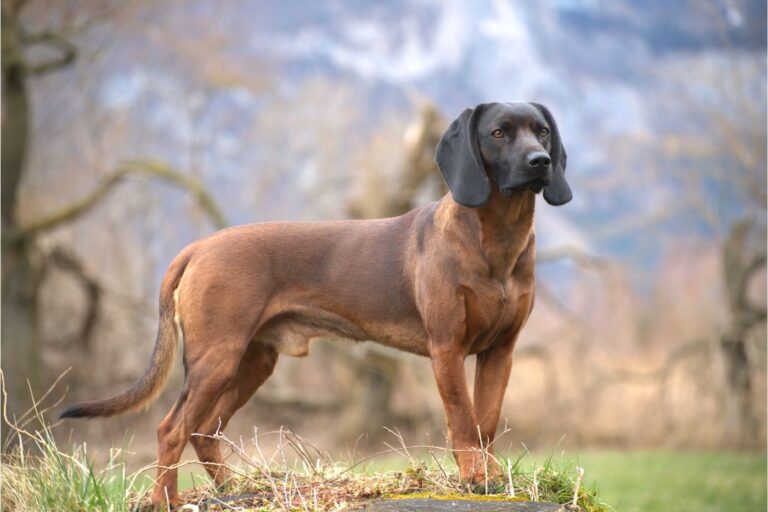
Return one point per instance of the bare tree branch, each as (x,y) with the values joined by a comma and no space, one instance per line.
(757,312)
(297,401)
(67,50)
(151,168)
(166,173)
(550,298)
(658,376)
(13,7)
(68,262)
(572,253)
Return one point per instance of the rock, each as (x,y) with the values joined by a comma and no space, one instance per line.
(439,505)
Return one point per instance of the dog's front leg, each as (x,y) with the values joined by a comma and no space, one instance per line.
(491,377)
(448,365)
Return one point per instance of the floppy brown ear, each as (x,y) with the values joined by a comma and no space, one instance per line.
(558,192)
(459,160)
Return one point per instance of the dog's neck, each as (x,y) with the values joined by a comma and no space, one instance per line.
(502,226)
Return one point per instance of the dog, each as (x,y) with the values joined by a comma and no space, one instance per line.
(447,280)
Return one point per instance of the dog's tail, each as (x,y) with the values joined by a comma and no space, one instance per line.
(155,376)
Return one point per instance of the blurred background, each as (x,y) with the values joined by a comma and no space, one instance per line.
(131,129)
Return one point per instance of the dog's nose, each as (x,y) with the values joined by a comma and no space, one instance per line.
(539,160)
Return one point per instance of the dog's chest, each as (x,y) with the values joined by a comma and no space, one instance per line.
(497,308)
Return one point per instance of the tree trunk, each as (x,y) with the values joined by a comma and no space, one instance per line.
(21,273)
(739,266)
(20,335)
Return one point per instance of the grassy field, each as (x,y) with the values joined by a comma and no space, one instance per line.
(681,481)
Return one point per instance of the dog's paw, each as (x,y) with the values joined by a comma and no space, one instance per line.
(490,485)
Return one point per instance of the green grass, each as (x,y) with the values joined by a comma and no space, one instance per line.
(38,475)
(656,481)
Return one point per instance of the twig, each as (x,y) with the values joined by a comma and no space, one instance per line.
(580,473)
(15,425)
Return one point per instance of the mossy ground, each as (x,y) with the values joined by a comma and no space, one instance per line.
(335,486)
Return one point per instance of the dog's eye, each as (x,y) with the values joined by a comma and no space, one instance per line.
(497,134)
(544,132)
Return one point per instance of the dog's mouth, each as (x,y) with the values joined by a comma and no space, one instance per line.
(535,185)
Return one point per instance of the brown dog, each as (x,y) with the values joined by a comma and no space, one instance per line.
(446,280)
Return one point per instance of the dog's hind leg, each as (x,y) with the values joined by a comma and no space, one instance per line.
(255,368)
(206,381)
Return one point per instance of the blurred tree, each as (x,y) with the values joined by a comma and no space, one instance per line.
(22,267)
(741,263)
(722,176)
(24,260)
(712,158)
(376,369)
(396,193)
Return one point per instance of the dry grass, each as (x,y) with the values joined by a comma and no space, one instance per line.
(302,480)
(297,476)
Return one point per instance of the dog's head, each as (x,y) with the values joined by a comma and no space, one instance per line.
(510,146)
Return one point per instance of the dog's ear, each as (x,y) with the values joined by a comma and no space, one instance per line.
(459,160)
(558,191)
